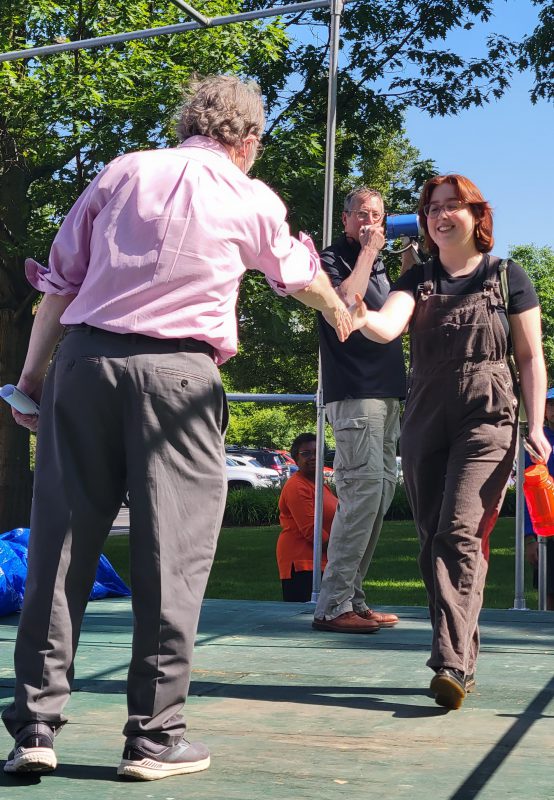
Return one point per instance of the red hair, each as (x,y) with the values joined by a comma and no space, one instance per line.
(468,192)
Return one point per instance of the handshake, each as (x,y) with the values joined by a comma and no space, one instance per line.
(345,319)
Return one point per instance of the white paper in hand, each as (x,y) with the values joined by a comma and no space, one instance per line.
(18,399)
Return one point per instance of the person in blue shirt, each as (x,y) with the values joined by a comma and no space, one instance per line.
(531,545)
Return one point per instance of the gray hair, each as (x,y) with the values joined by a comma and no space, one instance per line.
(357,194)
(223,107)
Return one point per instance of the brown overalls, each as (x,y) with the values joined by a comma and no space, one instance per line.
(457,444)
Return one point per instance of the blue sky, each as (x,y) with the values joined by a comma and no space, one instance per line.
(504,147)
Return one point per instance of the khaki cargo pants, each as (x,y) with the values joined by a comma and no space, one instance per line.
(366,433)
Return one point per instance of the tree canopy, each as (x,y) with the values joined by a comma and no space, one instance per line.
(536,53)
(63,117)
(539,265)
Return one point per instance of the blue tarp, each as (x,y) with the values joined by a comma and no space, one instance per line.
(13,572)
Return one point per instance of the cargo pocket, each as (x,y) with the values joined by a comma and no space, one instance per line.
(353,444)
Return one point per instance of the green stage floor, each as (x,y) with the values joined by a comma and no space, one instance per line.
(292,713)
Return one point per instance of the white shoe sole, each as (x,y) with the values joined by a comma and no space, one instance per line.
(36,759)
(150,770)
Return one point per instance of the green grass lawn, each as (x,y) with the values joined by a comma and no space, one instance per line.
(245,566)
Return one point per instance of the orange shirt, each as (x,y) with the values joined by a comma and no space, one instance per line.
(296,515)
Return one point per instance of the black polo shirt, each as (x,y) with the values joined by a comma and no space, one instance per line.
(358,368)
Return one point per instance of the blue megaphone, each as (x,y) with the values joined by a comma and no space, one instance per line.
(402,225)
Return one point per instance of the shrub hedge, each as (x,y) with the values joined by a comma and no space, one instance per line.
(252,507)
(260,506)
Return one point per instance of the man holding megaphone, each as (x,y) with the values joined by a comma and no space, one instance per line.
(363,383)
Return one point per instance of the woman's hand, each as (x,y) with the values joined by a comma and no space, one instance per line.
(540,443)
(358,312)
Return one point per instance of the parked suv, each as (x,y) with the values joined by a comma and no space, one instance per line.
(291,463)
(240,476)
(267,458)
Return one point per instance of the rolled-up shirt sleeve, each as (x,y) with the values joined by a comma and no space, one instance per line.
(289,264)
(70,252)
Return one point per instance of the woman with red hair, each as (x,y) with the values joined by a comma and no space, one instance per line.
(459,428)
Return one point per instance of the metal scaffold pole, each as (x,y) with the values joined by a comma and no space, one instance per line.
(164,30)
(336,9)
(519,593)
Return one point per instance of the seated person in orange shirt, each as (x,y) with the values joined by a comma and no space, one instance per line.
(296,515)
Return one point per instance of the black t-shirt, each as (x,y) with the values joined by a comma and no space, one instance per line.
(522,292)
(358,368)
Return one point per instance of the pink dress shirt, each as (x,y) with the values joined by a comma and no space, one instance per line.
(159,241)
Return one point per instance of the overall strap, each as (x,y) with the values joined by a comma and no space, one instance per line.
(501,266)
(423,292)
(504,285)
(427,287)
(491,280)
(497,273)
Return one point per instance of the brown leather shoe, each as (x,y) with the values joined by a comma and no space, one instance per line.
(383,620)
(349,622)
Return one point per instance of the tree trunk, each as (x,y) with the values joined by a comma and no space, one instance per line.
(15,327)
(15,471)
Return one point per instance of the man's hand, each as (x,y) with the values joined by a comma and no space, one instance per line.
(46,331)
(372,237)
(532,551)
(29,421)
(34,390)
(339,319)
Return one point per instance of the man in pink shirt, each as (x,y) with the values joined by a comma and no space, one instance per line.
(144,275)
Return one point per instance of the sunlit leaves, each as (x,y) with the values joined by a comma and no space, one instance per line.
(539,265)
(63,116)
(537,53)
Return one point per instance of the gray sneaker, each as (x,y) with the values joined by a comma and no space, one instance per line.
(145,760)
(34,750)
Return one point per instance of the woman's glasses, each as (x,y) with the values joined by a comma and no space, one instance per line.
(433,210)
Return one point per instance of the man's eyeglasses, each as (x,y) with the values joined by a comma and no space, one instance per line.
(451,207)
(306,453)
(366,216)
